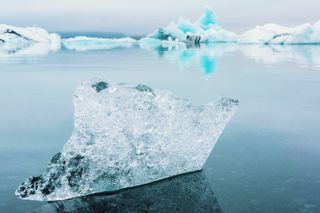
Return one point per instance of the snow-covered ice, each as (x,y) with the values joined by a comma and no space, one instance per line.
(276,34)
(16,38)
(83,43)
(126,136)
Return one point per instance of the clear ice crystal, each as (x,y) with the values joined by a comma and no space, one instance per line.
(127,136)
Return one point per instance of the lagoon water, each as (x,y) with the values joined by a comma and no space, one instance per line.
(267,159)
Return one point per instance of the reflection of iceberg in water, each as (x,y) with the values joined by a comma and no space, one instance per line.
(208,64)
(31,52)
(207,56)
(303,55)
(185,193)
(204,56)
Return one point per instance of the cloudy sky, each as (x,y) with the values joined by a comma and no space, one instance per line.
(142,16)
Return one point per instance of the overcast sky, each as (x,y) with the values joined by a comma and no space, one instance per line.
(142,16)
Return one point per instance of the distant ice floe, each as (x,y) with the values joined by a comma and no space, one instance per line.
(277,34)
(83,43)
(33,42)
(28,41)
(207,30)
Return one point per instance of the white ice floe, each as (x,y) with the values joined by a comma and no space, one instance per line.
(83,43)
(207,30)
(16,38)
(126,136)
(276,34)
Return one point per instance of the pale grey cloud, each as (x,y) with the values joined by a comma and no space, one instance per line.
(142,16)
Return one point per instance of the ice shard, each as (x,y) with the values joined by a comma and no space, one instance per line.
(126,136)
(184,193)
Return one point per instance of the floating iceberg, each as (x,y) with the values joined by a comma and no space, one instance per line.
(83,43)
(205,30)
(15,38)
(276,34)
(184,193)
(126,136)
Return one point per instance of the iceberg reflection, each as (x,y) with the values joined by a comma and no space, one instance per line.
(184,193)
(206,57)
(30,52)
(275,54)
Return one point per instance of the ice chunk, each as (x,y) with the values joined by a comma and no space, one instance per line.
(205,28)
(276,34)
(126,136)
(83,43)
(15,38)
(184,193)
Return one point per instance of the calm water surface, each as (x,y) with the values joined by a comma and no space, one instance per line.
(267,160)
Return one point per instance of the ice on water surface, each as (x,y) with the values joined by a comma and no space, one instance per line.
(126,136)
(14,38)
(207,30)
(183,193)
(83,43)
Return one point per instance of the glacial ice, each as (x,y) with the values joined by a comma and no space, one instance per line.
(276,34)
(16,38)
(184,193)
(126,136)
(83,43)
(207,30)
(204,30)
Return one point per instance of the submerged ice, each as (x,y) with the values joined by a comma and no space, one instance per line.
(126,136)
